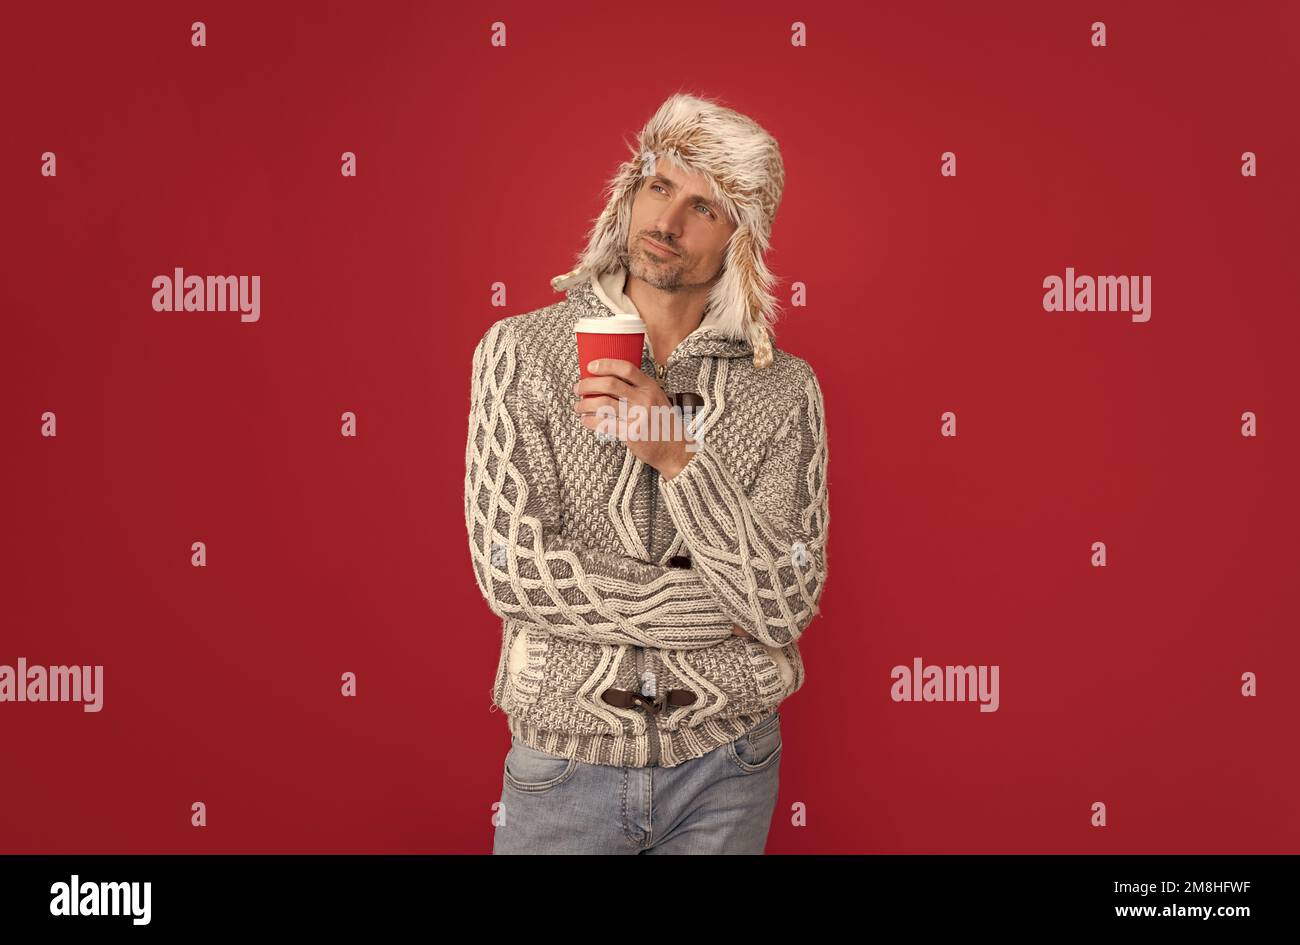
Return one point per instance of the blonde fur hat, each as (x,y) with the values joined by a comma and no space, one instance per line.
(743,164)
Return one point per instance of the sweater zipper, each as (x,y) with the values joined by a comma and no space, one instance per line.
(651,728)
(643,658)
(661,373)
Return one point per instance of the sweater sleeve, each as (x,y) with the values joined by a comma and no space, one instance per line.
(763,551)
(525,569)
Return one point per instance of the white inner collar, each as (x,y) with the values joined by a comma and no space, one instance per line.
(609,287)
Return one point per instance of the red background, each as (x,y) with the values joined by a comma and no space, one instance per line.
(479,164)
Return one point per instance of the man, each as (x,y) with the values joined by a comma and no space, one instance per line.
(652,591)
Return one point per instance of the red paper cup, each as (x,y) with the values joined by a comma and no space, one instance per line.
(617,336)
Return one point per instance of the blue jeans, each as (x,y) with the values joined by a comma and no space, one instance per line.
(721,802)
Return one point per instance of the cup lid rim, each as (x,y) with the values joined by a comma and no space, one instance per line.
(611,324)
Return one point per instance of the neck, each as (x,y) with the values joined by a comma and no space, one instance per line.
(669,316)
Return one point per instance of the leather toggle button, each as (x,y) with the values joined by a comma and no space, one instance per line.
(679,561)
(630,699)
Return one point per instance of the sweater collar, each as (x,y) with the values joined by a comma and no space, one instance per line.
(601,295)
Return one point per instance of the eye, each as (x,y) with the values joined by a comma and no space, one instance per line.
(703,206)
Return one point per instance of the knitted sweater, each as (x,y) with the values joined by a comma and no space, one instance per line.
(608,576)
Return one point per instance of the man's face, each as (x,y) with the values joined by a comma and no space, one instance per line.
(676,209)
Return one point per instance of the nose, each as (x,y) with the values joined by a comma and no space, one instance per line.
(669,224)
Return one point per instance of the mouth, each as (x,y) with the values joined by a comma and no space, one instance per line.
(659,249)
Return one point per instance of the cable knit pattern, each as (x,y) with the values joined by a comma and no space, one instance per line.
(568,550)
(762,550)
(526,569)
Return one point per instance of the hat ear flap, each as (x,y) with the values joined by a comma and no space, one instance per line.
(607,239)
(741,296)
(610,232)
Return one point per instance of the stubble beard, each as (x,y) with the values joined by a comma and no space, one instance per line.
(665,275)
